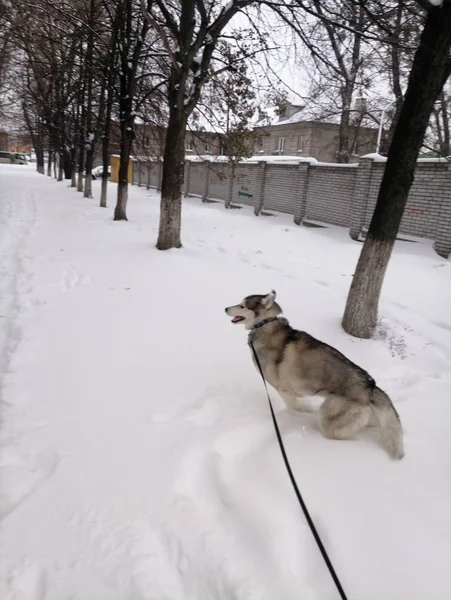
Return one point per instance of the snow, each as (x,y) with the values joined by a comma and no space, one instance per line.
(375,156)
(379,158)
(283,159)
(339,165)
(138,456)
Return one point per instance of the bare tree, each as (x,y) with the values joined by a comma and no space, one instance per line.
(440,135)
(132,33)
(89,73)
(430,70)
(190,32)
(108,93)
(343,62)
(6,21)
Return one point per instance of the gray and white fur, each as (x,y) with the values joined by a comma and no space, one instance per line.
(297,365)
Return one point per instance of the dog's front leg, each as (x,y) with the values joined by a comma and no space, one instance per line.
(289,399)
(299,404)
(303,405)
(295,403)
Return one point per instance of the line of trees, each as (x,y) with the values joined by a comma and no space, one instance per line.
(87,70)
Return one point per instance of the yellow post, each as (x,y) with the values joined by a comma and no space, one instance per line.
(114,162)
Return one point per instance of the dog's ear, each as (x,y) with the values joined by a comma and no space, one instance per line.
(268,300)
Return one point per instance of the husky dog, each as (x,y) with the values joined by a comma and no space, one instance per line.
(298,365)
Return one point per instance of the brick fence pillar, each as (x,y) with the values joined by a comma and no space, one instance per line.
(139,173)
(261,177)
(302,185)
(186,177)
(159,175)
(442,244)
(228,202)
(206,182)
(360,197)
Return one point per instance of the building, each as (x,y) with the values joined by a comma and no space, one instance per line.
(287,132)
(149,141)
(20,142)
(3,140)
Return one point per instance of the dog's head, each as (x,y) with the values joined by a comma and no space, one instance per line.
(254,309)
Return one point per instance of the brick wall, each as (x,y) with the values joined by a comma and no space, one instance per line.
(218,184)
(281,188)
(340,195)
(245,188)
(329,194)
(197,179)
(422,214)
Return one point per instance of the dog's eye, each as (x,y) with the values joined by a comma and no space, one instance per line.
(242,306)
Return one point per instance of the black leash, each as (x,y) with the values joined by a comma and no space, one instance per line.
(295,487)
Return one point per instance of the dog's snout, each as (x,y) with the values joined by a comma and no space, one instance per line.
(226,309)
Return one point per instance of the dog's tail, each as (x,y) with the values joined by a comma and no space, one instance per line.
(389,423)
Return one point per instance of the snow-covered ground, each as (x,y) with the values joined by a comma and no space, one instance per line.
(138,457)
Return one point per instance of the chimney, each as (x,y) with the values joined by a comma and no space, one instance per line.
(360,104)
(287,110)
(282,110)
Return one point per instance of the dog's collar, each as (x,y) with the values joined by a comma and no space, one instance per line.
(264,322)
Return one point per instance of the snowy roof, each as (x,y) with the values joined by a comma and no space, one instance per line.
(271,116)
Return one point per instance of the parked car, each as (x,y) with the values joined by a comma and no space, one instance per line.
(19,158)
(6,157)
(97,172)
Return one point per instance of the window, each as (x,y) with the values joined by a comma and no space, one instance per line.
(280,145)
(207,148)
(146,141)
(301,143)
(222,149)
(189,145)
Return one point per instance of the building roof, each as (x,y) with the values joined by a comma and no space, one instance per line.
(270,117)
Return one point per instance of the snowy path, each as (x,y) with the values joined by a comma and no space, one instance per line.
(138,460)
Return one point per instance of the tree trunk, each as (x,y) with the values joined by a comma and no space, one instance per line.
(73,182)
(171,187)
(120,212)
(60,166)
(430,70)
(395,53)
(106,141)
(81,140)
(104,190)
(49,164)
(90,136)
(343,133)
(67,163)
(105,160)
(40,167)
(80,174)
(87,191)
(445,147)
